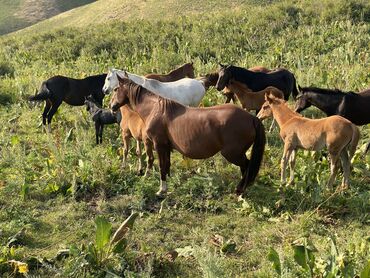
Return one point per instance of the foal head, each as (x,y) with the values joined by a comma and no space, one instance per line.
(224,76)
(120,94)
(302,101)
(270,100)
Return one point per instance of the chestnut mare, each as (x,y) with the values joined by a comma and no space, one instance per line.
(186,70)
(133,126)
(211,80)
(196,133)
(280,78)
(337,133)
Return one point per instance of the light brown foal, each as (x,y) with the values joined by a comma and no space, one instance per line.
(338,134)
(186,70)
(196,133)
(133,126)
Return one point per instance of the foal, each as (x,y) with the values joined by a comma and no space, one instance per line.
(337,133)
(133,126)
(186,70)
(101,117)
(196,133)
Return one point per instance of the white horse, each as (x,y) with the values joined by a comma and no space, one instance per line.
(186,91)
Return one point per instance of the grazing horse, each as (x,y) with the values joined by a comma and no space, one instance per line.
(281,78)
(211,80)
(196,133)
(186,91)
(186,70)
(338,134)
(59,88)
(101,117)
(352,106)
(133,126)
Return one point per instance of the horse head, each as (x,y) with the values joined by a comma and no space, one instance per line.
(224,76)
(120,94)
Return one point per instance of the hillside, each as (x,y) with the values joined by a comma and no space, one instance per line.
(18,14)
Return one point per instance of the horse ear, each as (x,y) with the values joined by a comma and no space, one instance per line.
(221,65)
(120,79)
(299,88)
(269,97)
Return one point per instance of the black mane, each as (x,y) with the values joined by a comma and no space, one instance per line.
(325,91)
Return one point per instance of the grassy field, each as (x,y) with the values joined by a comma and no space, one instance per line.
(59,191)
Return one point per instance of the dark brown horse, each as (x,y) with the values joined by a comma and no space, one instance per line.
(352,106)
(196,133)
(59,88)
(186,70)
(280,78)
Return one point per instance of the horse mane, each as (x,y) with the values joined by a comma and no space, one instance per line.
(179,68)
(326,91)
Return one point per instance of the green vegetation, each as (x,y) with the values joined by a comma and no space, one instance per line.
(54,188)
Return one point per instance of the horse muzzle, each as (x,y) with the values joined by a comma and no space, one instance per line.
(114,107)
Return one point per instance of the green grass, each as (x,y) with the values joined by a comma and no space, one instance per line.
(67,181)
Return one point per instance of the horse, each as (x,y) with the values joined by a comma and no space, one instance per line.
(100,117)
(186,91)
(338,134)
(352,106)
(211,80)
(72,91)
(133,126)
(280,78)
(186,70)
(197,133)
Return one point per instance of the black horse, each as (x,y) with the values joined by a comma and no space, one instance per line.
(101,117)
(352,106)
(280,78)
(59,88)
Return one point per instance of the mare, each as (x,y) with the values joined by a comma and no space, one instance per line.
(72,91)
(338,134)
(352,106)
(186,91)
(186,70)
(211,80)
(133,126)
(197,133)
(280,78)
(100,117)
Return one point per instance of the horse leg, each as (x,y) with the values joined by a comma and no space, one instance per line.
(346,164)
(52,111)
(148,145)
(126,146)
(47,107)
(101,133)
(333,168)
(139,155)
(292,166)
(97,126)
(240,159)
(272,125)
(284,161)
(164,156)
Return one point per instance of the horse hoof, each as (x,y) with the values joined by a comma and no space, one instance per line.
(141,172)
(160,193)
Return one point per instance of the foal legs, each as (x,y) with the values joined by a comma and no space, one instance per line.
(292,166)
(333,168)
(101,133)
(97,130)
(284,161)
(126,146)
(346,164)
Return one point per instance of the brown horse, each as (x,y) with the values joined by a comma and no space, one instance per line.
(211,80)
(252,100)
(196,133)
(133,126)
(186,70)
(337,133)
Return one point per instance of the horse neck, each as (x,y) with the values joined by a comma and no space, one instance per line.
(282,113)
(177,73)
(93,108)
(142,102)
(240,74)
(325,102)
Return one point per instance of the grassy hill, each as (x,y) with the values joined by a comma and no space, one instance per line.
(55,187)
(18,14)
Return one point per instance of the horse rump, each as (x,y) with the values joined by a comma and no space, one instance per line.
(43,94)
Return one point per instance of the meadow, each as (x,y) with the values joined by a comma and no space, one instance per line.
(61,196)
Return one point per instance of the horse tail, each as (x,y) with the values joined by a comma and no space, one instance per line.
(354,141)
(43,94)
(295,91)
(257,153)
